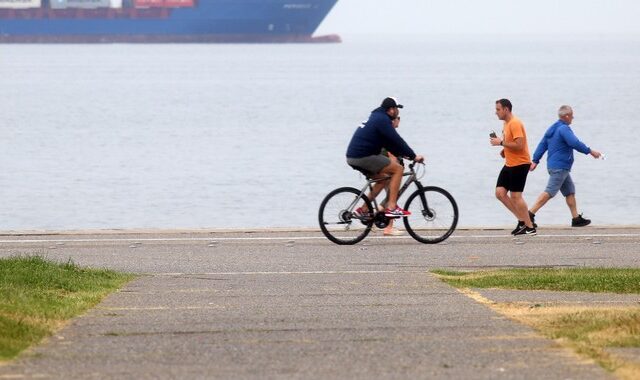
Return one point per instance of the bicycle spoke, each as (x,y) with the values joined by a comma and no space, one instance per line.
(337,219)
(435,223)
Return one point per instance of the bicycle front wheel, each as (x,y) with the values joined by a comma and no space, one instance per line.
(337,219)
(434,215)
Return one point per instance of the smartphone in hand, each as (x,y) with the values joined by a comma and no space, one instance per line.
(493,134)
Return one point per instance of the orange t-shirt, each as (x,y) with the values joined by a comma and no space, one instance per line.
(512,130)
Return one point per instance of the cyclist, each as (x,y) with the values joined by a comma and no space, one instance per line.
(364,153)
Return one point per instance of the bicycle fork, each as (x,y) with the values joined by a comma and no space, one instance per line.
(426,211)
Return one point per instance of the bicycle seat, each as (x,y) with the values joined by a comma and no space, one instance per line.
(362,170)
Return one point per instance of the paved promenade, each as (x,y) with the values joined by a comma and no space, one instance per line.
(290,304)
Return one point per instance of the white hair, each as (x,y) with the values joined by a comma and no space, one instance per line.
(564,111)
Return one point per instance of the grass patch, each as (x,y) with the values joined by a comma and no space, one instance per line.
(596,280)
(602,328)
(590,331)
(446,272)
(38,296)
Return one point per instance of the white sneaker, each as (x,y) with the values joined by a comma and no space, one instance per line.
(397,213)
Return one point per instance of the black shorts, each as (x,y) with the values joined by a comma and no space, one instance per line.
(513,178)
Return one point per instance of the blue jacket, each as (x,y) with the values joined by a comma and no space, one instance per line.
(377,133)
(560,141)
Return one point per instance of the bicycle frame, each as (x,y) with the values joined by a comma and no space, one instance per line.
(431,223)
(413,178)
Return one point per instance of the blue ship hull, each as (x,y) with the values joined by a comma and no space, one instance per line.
(207,21)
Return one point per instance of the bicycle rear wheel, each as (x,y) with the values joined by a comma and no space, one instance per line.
(337,219)
(437,221)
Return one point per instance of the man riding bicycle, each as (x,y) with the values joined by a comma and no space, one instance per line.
(364,153)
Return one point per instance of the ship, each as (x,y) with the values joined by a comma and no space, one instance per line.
(163,21)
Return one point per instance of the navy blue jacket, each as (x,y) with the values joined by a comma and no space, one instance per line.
(375,134)
(560,141)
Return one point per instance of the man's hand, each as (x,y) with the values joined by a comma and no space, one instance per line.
(419,158)
(533,166)
(595,153)
(495,141)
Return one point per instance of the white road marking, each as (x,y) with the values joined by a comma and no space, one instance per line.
(290,238)
(287,273)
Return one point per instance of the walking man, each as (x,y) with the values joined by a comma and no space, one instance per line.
(560,141)
(513,175)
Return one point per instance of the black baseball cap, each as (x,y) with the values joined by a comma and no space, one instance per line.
(390,102)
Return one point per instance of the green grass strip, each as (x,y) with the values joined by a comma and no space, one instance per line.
(37,296)
(596,280)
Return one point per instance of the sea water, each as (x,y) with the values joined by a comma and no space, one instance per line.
(243,136)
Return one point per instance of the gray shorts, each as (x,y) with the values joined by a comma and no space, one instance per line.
(372,164)
(560,179)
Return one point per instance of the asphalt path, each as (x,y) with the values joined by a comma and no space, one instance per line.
(291,304)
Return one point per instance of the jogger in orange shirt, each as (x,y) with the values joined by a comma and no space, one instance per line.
(513,175)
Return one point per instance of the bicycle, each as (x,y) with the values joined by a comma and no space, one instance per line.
(434,212)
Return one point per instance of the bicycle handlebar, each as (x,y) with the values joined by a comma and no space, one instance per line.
(413,163)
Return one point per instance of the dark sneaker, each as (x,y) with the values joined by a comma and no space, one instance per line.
(518,227)
(527,231)
(396,213)
(532,216)
(579,221)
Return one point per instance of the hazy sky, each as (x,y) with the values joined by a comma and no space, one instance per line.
(483,16)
